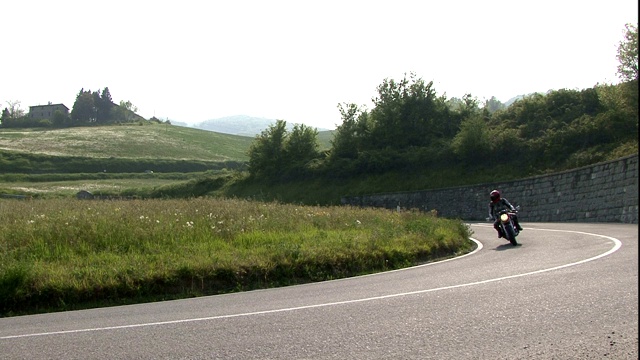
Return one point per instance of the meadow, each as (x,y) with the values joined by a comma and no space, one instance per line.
(69,188)
(139,142)
(63,254)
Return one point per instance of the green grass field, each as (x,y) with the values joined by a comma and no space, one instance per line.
(62,254)
(158,141)
(70,188)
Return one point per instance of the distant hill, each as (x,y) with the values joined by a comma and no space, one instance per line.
(250,126)
(513,99)
(520,97)
(242,125)
(236,125)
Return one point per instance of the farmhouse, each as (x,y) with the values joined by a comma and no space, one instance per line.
(47,111)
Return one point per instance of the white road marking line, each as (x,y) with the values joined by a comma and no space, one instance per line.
(617,245)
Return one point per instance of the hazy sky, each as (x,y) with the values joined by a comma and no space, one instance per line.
(191,61)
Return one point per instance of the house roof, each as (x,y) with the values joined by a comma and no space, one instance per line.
(49,105)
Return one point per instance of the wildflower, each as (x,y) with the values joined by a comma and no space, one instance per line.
(358,222)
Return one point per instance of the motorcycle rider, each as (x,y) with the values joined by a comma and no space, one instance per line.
(497,204)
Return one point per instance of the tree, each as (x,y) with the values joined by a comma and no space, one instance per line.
(106,95)
(472,143)
(5,115)
(628,54)
(628,69)
(15,112)
(93,107)
(124,112)
(278,155)
(300,149)
(493,105)
(469,106)
(266,153)
(127,105)
(347,137)
(13,116)
(84,108)
(104,105)
(59,119)
(408,113)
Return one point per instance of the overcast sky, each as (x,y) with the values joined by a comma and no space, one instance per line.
(190,61)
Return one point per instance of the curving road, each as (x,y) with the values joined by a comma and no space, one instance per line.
(569,292)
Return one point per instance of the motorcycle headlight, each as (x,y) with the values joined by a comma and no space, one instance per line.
(504,217)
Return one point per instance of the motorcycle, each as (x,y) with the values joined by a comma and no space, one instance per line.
(507,225)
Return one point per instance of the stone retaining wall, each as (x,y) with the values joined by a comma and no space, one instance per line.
(604,192)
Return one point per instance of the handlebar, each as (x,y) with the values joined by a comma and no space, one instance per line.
(514,211)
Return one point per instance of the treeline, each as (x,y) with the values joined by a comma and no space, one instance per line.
(412,129)
(92,107)
(89,108)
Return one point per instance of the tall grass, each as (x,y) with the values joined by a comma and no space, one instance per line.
(61,254)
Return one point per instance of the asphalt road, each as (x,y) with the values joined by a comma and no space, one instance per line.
(569,292)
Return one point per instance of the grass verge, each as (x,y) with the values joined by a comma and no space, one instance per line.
(64,254)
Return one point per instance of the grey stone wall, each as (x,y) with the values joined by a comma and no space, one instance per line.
(604,192)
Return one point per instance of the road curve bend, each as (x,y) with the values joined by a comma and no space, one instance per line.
(570,291)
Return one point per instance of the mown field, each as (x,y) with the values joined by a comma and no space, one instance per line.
(157,141)
(69,188)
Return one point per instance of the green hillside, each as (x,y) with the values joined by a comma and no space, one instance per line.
(158,141)
(325,138)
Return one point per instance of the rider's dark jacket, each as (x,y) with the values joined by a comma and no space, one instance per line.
(496,207)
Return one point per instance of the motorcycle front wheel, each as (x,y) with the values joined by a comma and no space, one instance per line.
(511,235)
